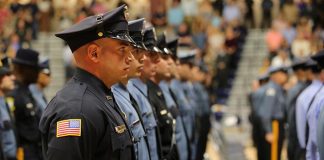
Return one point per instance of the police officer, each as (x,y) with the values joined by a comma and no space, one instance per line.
(199,77)
(185,107)
(298,68)
(82,121)
(44,79)
(187,63)
(271,112)
(303,103)
(7,129)
(257,131)
(316,104)
(165,119)
(27,112)
(166,73)
(138,88)
(125,101)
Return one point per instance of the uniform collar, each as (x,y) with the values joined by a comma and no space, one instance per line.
(91,80)
(277,86)
(121,89)
(140,85)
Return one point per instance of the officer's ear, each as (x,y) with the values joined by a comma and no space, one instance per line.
(93,51)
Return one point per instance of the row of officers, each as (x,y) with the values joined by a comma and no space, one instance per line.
(132,97)
(295,112)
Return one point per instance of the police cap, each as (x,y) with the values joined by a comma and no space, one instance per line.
(150,40)
(111,24)
(162,44)
(173,46)
(44,65)
(135,28)
(298,64)
(273,70)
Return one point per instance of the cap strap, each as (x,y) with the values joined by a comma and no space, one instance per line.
(100,25)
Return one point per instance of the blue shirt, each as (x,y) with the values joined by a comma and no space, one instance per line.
(185,107)
(302,104)
(138,90)
(312,119)
(8,138)
(38,95)
(124,103)
(181,140)
(272,105)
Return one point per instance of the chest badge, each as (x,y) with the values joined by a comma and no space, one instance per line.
(29,105)
(120,129)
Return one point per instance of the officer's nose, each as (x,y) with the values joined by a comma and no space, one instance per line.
(129,58)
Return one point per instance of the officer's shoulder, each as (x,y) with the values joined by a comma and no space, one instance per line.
(73,98)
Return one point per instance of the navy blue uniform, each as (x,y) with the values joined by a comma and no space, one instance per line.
(99,130)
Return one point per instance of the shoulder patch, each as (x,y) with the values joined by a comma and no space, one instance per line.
(68,127)
(271,92)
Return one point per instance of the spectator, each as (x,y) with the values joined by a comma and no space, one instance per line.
(159,15)
(190,7)
(175,14)
(215,43)
(274,40)
(205,10)
(4,15)
(34,12)
(249,17)
(266,8)
(199,33)
(46,11)
(231,43)
(231,11)
(289,33)
(290,12)
(281,59)
(15,6)
(301,47)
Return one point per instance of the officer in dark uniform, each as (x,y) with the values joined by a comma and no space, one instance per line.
(299,70)
(165,119)
(125,101)
(27,111)
(167,75)
(271,112)
(82,122)
(7,129)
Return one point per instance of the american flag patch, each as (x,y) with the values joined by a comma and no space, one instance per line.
(69,127)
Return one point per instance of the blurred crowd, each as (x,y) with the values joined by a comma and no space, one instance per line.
(214,28)
(295,33)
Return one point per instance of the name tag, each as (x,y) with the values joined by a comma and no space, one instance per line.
(163,112)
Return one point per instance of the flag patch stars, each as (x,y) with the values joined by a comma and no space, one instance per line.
(68,127)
